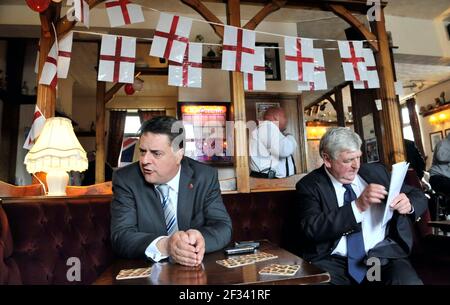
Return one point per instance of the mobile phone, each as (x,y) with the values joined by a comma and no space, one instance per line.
(252,243)
(239,250)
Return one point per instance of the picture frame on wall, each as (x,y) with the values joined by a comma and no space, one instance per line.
(372,150)
(271,60)
(447,131)
(435,137)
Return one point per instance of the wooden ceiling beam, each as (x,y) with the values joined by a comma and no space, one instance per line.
(345,14)
(65,25)
(354,6)
(200,8)
(269,8)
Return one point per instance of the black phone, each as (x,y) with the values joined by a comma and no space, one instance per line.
(252,243)
(239,250)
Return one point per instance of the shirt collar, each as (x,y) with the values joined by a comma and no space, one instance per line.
(174,183)
(336,183)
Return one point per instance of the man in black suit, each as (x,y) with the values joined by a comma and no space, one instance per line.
(341,207)
(167,205)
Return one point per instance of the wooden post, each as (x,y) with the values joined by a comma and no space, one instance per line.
(238,103)
(303,168)
(393,149)
(339,106)
(100,133)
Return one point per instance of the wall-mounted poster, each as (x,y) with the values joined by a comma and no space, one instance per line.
(435,137)
(272,60)
(372,150)
(262,107)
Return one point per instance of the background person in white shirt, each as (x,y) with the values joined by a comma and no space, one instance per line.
(140,222)
(330,222)
(271,148)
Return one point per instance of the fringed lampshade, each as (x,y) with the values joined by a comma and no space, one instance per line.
(56,152)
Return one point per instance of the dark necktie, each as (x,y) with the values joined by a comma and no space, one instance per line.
(355,244)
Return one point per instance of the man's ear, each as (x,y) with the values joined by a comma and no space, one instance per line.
(179,155)
(327,160)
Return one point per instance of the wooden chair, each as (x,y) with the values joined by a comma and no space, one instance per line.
(104,188)
(10,190)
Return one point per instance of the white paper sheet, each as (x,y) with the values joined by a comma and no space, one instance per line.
(397,177)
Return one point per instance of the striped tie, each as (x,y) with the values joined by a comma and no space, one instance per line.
(170,214)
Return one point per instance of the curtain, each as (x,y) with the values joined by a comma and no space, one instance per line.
(145,115)
(115,137)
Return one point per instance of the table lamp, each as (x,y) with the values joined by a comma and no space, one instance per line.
(56,152)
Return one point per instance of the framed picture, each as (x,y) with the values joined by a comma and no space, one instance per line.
(447,131)
(372,150)
(435,137)
(272,60)
(262,107)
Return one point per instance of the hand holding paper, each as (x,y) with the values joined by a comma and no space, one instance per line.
(397,176)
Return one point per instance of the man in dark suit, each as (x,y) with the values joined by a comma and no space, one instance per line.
(167,205)
(341,207)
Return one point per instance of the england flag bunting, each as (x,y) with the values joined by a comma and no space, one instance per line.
(238,49)
(80,11)
(188,73)
(372,74)
(49,71)
(353,62)
(64,54)
(171,37)
(36,128)
(121,12)
(320,80)
(117,59)
(257,79)
(299,59)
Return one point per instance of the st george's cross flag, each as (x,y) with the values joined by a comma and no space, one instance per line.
(64,54)
(320,80)
(117,59)
(171,37)
(353,62)
(121,12)
(188,73)
(49,71)
(257,79)
(238,49)
(299,59)
(372,75)
(36,128)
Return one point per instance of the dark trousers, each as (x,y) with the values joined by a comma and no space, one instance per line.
(395,272)
(440,184)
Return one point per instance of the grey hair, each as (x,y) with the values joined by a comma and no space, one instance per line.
(337,140)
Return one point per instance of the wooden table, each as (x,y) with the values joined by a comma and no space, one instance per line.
(211,273)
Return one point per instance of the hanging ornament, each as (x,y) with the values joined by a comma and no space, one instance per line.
(38,5)
(129,90)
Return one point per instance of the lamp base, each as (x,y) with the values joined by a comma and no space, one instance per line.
(57,181)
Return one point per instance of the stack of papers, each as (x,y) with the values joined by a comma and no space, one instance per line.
(397,177)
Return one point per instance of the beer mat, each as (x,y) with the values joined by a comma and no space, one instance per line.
(246,259)
(126,274)
(276,269)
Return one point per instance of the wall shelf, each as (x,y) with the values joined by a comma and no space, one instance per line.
(436,109)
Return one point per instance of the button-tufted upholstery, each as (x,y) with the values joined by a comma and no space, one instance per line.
(46,232)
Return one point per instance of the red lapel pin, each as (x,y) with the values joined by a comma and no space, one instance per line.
(191,186)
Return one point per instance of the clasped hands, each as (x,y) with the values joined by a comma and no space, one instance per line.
(184,247)
(375,193)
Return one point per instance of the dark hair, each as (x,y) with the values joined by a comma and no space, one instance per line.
(167,125)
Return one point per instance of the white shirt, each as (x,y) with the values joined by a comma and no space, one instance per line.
(370,219)
(269,149)
(152,251)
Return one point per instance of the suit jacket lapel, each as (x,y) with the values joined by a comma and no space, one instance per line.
(327,188)
(185,196)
